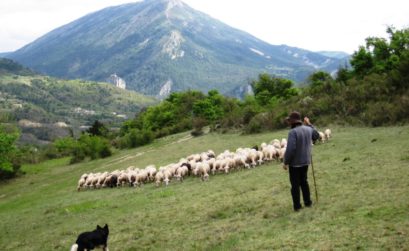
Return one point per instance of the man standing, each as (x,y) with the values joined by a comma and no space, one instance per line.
(298,156)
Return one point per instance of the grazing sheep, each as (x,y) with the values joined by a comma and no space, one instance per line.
(111,180)
(159,178)
(327,133)
(211,154)
(260,157)
(151,170)
(181,172)
(122,179)
(201,170)
(240,161)
(82,181)
(269,151)
(227,164)
(194,157)
(101,180)
(167,176)
(276,143)
(281,154)
(189,167)
(322,137)
(140,178)
(132,177)
(217,165)
(283,142)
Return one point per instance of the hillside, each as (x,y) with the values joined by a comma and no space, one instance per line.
(334,54)
(46,107)
(362,184)
(162,46)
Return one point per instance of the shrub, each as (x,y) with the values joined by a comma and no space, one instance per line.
(380,113)
(65,146)
(136,137)
(9,164)
(90,146)
(198,124)
(259,123)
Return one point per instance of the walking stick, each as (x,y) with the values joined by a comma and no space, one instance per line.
(313,176)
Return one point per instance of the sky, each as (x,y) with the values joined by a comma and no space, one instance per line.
(316,25)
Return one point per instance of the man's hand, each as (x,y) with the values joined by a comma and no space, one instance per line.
(285,167)
(307,121)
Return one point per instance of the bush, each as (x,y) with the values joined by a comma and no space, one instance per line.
(65,146)
(260,122)
(198,124)
(380,113)
(136,137)
(78,155)
(9,155)
(90,146)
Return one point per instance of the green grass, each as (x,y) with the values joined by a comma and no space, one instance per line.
(362,179)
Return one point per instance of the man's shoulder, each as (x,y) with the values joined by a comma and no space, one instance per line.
(302,128)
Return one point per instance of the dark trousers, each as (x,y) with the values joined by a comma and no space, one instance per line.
(298,179)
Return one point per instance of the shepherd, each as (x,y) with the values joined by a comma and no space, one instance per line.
(297,157)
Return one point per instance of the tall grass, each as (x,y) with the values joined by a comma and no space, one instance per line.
(362,180)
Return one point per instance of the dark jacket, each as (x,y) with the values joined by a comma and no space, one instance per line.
(299,142)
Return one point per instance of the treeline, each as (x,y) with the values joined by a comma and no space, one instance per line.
(373,92)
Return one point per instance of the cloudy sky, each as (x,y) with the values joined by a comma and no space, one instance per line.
(309,24)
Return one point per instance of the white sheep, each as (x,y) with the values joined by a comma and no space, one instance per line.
(276,143)
(269,151)
(111,180)
(151,170)
(181,172)
(141,177)
(322,137)
(283,142)
(327,133)
(82,181)
(122,179)
(159,176)
(201,169)
(101,179)
(281,154)
(240,161)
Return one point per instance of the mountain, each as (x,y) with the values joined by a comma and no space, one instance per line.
(160,46)
(334,54)
(8,66)
(4,54)
(45,108)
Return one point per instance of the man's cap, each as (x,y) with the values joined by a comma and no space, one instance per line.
(294,117)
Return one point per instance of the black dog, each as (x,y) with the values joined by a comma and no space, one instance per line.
(90,240)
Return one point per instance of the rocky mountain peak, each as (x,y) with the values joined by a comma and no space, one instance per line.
(161,46)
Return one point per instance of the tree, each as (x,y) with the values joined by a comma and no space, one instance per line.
(209,108)
(268,89)
(98,129)
(381,55)
(7,153)
(319,78)
(362,62)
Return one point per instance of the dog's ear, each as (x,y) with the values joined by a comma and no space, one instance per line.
(98,227)
(106,226)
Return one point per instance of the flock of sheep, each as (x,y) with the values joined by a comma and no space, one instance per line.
(200,165)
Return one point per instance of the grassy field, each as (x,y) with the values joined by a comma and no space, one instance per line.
(362,177)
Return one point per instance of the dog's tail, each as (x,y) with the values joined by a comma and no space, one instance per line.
(74,247)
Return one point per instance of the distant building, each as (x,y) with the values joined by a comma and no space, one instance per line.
(117,81)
